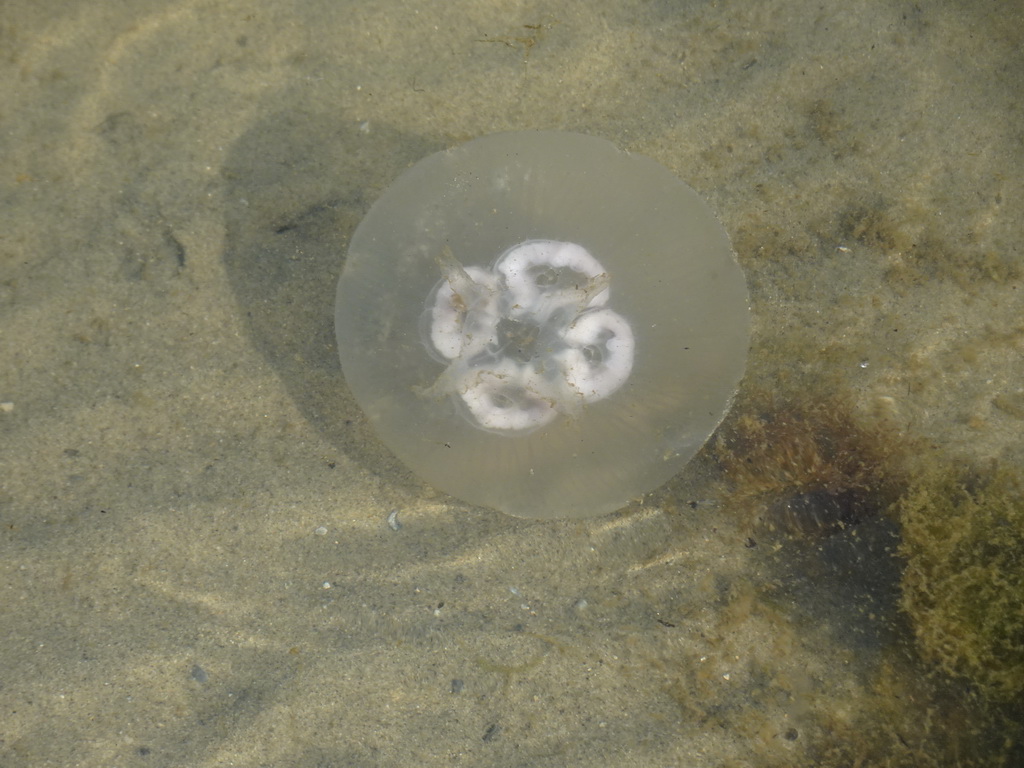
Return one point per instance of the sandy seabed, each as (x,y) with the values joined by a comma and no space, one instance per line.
(198,565)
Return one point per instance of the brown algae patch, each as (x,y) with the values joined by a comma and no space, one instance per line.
(808,467)
(895,565)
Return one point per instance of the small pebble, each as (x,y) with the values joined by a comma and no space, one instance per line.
(321,531)
(393,520)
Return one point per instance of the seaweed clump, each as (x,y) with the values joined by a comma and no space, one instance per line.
(809,469)
(963,584)
(874,545)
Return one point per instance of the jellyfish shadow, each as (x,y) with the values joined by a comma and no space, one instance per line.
(297,183)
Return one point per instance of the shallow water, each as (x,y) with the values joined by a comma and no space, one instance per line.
(201,562)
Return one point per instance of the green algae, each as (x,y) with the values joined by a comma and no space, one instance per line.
(963,585)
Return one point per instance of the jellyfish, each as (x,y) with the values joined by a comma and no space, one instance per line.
(540,323)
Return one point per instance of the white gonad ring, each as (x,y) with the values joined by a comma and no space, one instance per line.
(599,354)
(529,339)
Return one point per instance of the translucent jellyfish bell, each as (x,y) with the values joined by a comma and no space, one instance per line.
(540,323)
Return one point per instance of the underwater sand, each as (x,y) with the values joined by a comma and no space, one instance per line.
(198,567)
